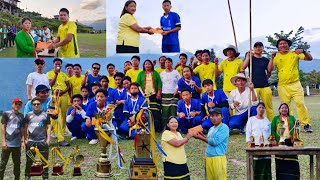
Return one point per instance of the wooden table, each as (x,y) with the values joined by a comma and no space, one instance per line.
(311,151)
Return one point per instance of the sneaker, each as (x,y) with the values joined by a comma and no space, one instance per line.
(307,129)
(64,143)
(73,138)
(93,141)
(67,134)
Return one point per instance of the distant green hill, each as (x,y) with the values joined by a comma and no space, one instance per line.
(53,24)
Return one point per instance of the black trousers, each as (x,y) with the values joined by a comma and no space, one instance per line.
(44,150)
(127,49)
(16,158)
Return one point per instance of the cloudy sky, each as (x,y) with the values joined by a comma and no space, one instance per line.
(206,23)
(83,10)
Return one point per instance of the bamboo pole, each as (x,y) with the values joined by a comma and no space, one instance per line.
(250,53)
(234,32)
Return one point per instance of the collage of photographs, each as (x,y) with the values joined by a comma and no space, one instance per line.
(161,89)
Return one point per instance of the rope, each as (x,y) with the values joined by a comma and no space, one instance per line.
(234,32)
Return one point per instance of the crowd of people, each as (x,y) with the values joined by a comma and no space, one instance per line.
(181,97)
(7,36)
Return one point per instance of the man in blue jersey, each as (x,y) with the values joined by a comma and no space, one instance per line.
(89,79)
(170,24)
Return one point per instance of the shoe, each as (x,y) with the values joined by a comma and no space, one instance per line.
(67,134)
(28,178)
(73,138)
(64,143)
(307,129)
(93,141)
(242,131)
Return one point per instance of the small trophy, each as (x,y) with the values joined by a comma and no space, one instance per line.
(37,166)
(58,166)
(77,160)
(271,140)
(104,165)
(297,141)
(252,142)
(281,133)
(261,141)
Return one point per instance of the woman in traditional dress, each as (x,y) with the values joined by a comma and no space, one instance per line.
(287,166)
(175,163)
(258,130)
(128,39)
(190,82)
(25,44)
(169,78)
(150,82)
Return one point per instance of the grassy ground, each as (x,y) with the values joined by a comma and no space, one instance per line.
(90,45)
(195,153)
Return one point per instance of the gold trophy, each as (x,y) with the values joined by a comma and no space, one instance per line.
(281,133)
(37,165)
(77,159)
(261,141)
(271,140)
(297,141)
(104,120)
(53,109)
(57,165)
(252,142)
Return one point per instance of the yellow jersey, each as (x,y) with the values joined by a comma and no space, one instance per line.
(206,71)
(159,70)
(126,35)
(230,69)
(133,74)
(61,80)
(288,67)
(76,83)
(70,50)
(112,83)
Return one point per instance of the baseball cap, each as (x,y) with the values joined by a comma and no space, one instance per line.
(258,44)
(215,111)
(41,88)
(16,100)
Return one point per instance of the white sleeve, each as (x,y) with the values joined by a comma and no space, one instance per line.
(29,79)
(230,100)
(248,130)
(69,118)
(83,114)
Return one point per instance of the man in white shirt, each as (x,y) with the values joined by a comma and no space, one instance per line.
(47,35)
(36,78)
(239,100)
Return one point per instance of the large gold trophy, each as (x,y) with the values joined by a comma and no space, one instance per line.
(37,167)
(103,130)
(281,130)
(297,141)
(142,165)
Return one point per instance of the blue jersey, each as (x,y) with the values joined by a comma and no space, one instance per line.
(194,106)
(93,99)
(182,84)
(117,95)
(132,107)
(93,109)
(77,117)
(218,97)
(168,23)
(91,80)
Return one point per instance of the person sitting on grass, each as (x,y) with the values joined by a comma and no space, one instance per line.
(131,107)
(211,99)
(76,116)
(188,111)
(217,144)
(239,100)
(175,163)
(12,130)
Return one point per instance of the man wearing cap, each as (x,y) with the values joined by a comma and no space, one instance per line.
(261,71)
(238,100)
(59,81)
(229,67)
(12,138)
(36,78)
(42,92)
(289,86)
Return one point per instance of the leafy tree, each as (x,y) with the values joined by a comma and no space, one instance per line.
(297,43)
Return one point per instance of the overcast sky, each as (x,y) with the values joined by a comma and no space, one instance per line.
(83,10)
(207,22)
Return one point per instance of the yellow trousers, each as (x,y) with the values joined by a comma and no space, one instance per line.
(295,92)
(265,94)
(216,168)
(59,125)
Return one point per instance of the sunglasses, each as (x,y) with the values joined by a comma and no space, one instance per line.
(96,68)
(39,63)
(18,104)
(36,104)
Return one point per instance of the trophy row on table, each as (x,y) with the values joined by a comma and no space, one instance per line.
(297,141)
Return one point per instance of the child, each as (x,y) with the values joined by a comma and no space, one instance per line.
(12,135)
(217,143)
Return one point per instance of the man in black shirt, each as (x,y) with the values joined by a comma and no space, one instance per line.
(261,71)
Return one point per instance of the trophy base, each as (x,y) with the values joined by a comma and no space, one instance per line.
(298,143)
(142,168)
(252,145)
(103,168)
(57,170)
(77,171)
(36,170)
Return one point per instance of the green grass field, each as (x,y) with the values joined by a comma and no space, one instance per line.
(90,45)
(194,149)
